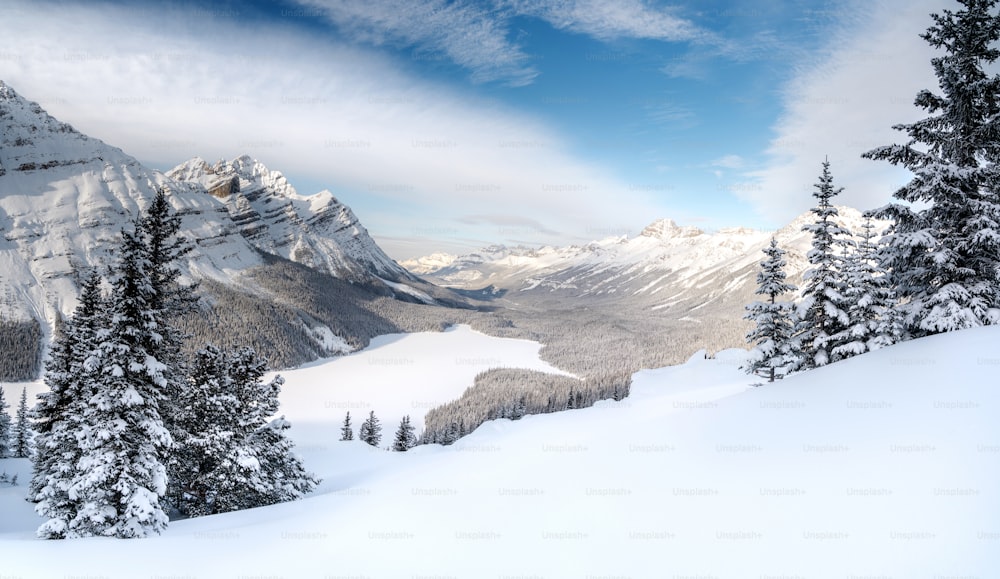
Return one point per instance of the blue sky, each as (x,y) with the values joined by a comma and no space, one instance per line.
(448,126)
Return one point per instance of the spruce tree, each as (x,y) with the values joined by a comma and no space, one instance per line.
(279,474)
(58,415)
(164,247)
(209,419)
(405,437)
(282,476)
(5,427)
(942,251)
(231,456)
(822,312)
(20,444)
(874,322)
(773,330)
(371,431)
(519,408)
(347,431)
(125,443)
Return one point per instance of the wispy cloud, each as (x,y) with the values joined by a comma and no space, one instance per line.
(843,104)
(508,225)
(477,35)
(411,156)
(470,35)
(605,20)
(728,162)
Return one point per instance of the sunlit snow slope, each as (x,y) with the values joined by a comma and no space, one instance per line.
(885,465)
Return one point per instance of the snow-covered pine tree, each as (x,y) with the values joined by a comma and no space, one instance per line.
(5,427)
(164,247)
(21,436)
(280,475)
(347,430)
(204,462)
(405,437)
(874,322)
(452,434)
(371,431)
(770,353)
(58,414)
(124,442)
(230,456)
(822,312)
(942,255)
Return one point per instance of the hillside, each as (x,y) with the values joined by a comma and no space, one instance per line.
(884,465)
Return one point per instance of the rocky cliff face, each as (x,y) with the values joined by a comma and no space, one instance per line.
(65,197)
(317,231)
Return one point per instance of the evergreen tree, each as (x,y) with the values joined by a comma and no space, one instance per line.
(347,431)
(519,408)
(874,322)
(405,437)
(59,413)
(205,460)
(772,317)
(232,456)
(163,248)
(942,254)
(822,313)
(4,427)
(281,476)
(452,434)
(124,442)
(371,430)
(21,439)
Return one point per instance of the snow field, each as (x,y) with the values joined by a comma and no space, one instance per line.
(885,465)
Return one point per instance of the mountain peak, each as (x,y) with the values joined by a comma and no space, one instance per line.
(6,92)
(33,142)
(668,229)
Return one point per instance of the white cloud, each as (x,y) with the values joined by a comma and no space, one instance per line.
(728,162)
(467,34)
(416,156)
(476,36)
(844,104)
(611,20)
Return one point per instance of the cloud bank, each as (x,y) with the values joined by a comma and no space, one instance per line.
(844,103)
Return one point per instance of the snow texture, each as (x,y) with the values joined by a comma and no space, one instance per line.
(883,465)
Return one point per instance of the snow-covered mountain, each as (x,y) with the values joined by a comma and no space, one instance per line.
(264,208)
(65,197)
(665,265)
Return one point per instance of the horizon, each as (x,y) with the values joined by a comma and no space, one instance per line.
(448,127)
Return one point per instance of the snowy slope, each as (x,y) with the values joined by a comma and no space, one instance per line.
(885,465)
(65,197)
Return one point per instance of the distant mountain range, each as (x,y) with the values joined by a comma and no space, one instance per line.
(65,197)
(666,268)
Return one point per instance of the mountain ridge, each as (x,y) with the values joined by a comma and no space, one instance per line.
(65,197)
(662,256)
